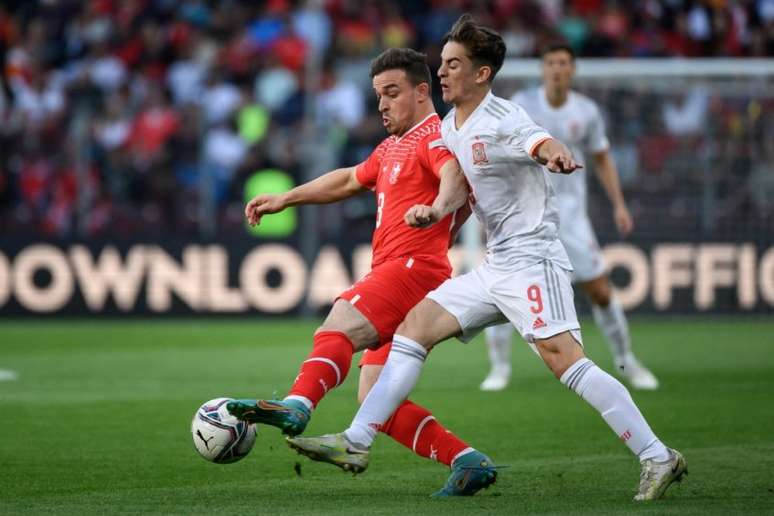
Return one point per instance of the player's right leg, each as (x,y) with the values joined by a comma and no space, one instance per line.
(547,297)
(498,343)
(344,332)
(538,300)
(660,465)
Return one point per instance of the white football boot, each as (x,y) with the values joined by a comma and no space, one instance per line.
(656,477)
(637,374)
(497,379)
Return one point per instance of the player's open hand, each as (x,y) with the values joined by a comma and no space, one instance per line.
(263,205)
(562,163)
(623,220)
(421,216)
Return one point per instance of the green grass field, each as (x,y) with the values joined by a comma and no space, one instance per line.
(98,423)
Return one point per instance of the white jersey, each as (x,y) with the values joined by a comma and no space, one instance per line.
(513,198)
(578,124)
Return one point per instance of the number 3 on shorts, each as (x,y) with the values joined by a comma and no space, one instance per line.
(533,294)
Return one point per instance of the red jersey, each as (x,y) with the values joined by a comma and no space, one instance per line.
(403,172)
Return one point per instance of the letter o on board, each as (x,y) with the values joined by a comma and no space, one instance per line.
(53,296)
(252,278)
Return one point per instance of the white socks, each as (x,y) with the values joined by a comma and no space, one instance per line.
(395,383)
(498,341)
(611,321)
(615,404)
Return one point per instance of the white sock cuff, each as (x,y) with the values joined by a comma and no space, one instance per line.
(407,346)
(463,452)
(302,399)
(572,377)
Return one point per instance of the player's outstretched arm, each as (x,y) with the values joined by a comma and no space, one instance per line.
(556,157)
(331,187)
(604,165)
(452,194)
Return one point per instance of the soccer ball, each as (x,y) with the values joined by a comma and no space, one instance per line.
(218,436)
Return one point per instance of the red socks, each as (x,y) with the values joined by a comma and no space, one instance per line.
(416,428)
(325,368)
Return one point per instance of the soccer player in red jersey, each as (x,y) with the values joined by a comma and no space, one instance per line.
(411,167)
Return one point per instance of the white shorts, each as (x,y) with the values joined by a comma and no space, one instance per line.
(580,242)
(537,300)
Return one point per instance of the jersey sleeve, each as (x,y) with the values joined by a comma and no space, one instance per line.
(367,172)
(596,140)
(520,134)
(433,153)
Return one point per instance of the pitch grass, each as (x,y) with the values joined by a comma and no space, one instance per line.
(97,423)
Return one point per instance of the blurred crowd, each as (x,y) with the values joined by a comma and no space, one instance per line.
(137,118)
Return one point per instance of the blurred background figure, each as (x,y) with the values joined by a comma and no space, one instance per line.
(78,72)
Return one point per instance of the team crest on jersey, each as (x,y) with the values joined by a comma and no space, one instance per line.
(479,154)
(395,173)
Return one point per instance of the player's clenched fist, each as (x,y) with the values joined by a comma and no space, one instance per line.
(421,216)
(263,205)
(562,163)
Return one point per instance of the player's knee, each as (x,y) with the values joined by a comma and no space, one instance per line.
(601,298)
(559,352)
(411,326)
(599,293)
(360,334)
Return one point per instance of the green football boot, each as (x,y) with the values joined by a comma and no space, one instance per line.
(471,473)
(290,416)
(334,449)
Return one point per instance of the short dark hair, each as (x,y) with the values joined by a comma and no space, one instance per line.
(558,47)
(485,46)
(410,61)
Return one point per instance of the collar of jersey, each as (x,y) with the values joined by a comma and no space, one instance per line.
(481,105)
(417,125)
(547,105)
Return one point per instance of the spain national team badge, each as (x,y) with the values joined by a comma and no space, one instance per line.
(394,173)
(479,154)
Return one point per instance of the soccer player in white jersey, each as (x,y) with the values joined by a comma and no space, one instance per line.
(525,278)
(575,119)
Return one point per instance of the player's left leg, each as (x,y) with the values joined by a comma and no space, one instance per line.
(611,320)
(424,326)
(414,426)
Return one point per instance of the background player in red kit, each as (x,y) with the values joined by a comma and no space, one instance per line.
(410,167)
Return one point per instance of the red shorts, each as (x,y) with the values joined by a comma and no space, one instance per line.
(387,293)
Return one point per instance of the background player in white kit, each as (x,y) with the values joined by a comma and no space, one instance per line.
(575,119)
(525,278)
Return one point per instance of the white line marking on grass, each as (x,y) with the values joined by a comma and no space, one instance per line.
(6,375)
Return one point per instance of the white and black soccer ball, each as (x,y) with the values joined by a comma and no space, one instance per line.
(218,436)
